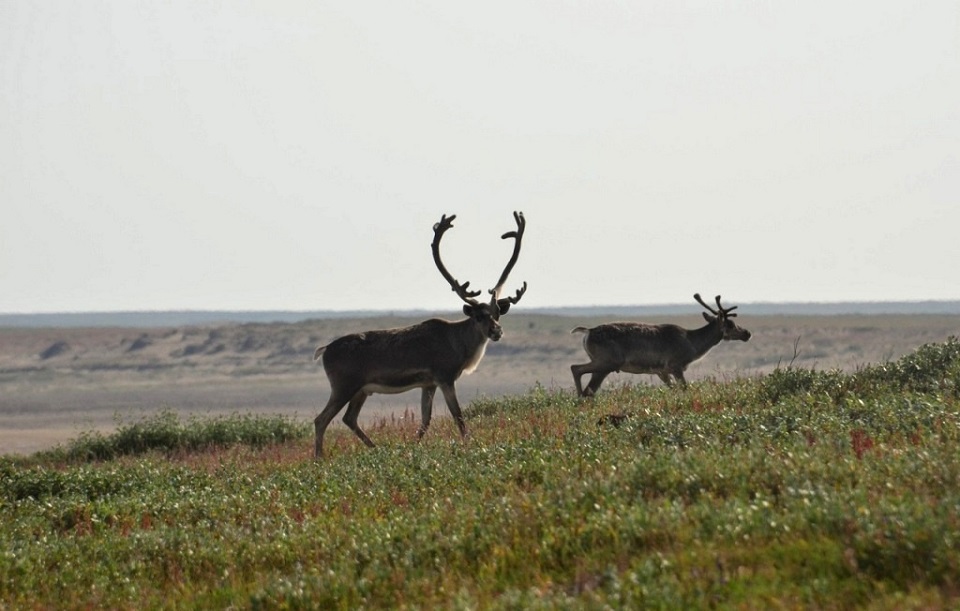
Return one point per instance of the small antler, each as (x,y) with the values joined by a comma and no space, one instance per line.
(701,302)
(720,311)
(726,311)
(446,222)
(518,237)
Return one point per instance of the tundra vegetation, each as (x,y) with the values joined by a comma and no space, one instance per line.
(797,488)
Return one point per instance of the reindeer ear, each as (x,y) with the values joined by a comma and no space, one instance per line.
(468,309)
(708,318)
(503,305)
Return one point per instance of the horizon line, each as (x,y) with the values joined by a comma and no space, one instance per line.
(174,318)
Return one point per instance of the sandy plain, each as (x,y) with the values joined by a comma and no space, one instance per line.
(56,383)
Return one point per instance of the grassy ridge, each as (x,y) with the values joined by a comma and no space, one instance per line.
(800,488)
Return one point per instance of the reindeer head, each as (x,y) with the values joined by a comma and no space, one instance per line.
(485,315)
(722,316)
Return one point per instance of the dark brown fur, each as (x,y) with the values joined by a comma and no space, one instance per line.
(665,350)
(428,355)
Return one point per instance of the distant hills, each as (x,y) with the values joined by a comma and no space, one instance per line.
(201,317)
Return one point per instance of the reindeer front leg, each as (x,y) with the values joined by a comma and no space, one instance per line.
(677,375)
(450,394)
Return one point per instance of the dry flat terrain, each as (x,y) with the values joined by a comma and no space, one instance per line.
(58,382)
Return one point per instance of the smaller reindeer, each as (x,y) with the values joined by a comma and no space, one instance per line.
(665,350)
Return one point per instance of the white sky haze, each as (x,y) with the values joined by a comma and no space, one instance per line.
(295,155)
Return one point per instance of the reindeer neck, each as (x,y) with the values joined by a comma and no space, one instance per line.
(471,345)
(470,333)
(706,337)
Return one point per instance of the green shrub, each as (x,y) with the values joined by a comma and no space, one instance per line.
(165,432)
(930,368)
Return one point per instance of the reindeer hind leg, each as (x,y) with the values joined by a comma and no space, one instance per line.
(426,409)
(350,417)
(578,373)
(322,421)
(595,381)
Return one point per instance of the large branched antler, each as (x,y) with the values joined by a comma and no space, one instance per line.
(518,237)
(446,222)
(461,289)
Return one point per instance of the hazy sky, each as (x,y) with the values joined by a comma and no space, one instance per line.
(295,155)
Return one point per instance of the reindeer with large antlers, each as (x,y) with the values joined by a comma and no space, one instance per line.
(428,355)
(665,350)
